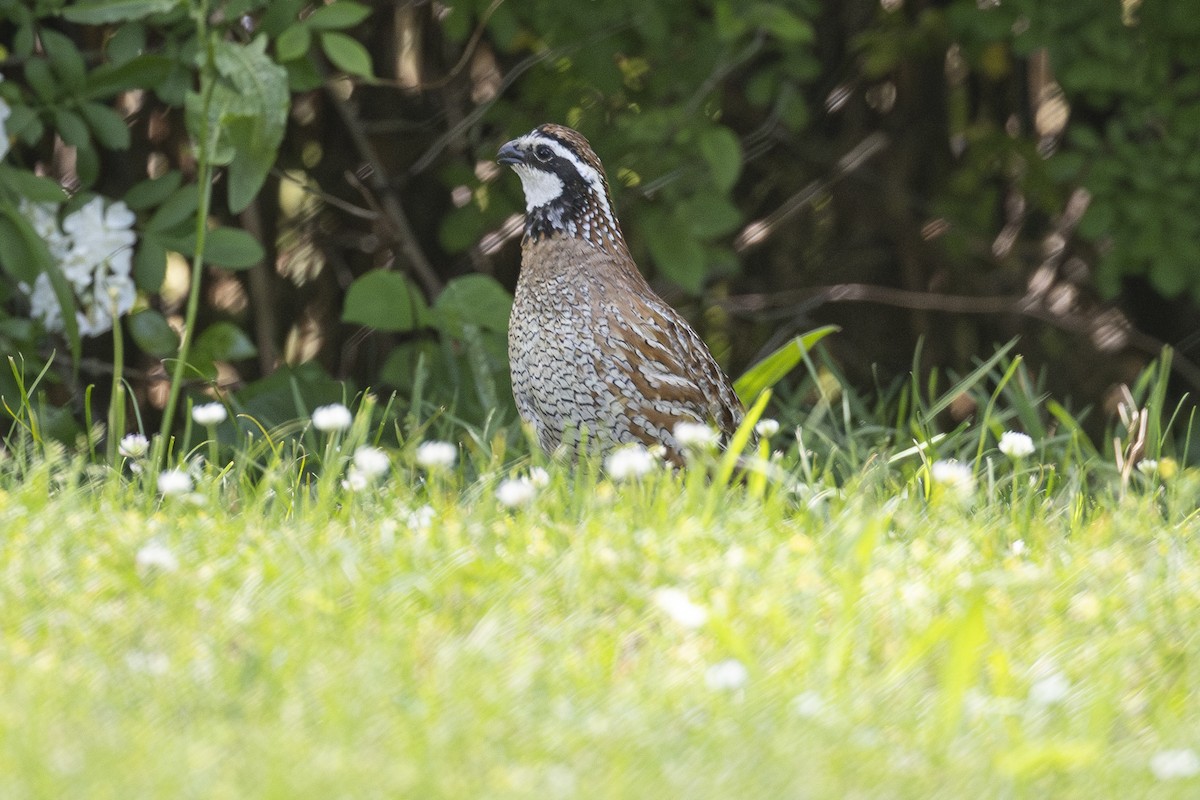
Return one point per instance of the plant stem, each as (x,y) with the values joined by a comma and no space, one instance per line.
(204,182)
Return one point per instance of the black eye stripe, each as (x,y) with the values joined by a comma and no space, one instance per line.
(543,152)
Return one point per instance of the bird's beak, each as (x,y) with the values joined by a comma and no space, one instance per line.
(510,154)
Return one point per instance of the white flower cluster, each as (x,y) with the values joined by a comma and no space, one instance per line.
(5,111)
(94,250)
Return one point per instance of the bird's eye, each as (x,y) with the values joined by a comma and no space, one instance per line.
(543,152)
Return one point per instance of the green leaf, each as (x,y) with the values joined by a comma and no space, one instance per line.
(709,215)
(346,54)
(247,117)
(152,333)
(22,254)
(150,264)
(71,128)
(64,58)
(178,207)
(41,79)
(723,153)
(25,123)
(385,301)
(108,126)
(87,164)
(677,254)
(141,72)
(152,191)
(221,341)
(338,15)
(477,300)
(785,25)
(232,248)
(31,187)
(99,12)
(773,368)
(126,43)
(293,42)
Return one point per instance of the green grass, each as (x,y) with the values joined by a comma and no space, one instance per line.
(1038,636)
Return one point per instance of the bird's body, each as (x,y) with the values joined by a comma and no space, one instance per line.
(591,346)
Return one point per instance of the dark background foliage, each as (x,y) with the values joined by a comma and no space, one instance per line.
(934,177)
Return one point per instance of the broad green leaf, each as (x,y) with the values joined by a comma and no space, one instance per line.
(65,58)
(773,368)
(152,191)
(24,122)
(222,341)
(31,187)
(146,71)
(723,154)
(126,44)
(293,42)
(338,15)
(178,207)
(346,54)
(41,79)
(477,300)
(108,126)
(150,264)
(232,248)
(678,256)
(17,257)
(71,127)
(153,334)
(385,301)
(87,163)
(99,12)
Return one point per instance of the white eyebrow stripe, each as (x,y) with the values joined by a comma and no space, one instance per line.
(589,173)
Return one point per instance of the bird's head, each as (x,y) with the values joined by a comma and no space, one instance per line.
(566,192)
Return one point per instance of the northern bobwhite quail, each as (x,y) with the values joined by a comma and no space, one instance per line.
(589,342)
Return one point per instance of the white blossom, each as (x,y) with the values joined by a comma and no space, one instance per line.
(1016,445)
(515,492)
(434,455)
(696,436)
(420,519)
(539,477)
(1170,765)
(767,428)
(94,250)
(371,461)
(209,414)
(1018,547)
(174,482)
(1147,466)
(954,475)
(331,418)
(726,675)
(1049,690)
(155,556)
(678,606)
(629,461)
(133,445)
(356,480)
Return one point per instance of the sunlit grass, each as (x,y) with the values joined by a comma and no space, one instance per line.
(851,621)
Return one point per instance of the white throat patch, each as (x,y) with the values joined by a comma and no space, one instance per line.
(540,187)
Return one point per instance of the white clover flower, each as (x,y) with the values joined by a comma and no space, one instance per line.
(156,557)
(1050,690)
(1016,445)
(1169,765)
(515,492)
(434,455)
(133,445)
(371,461)
(629,461)
(953,475)
(726,675)
(809,705)
(767,428)
(209,414)
(1018,547)
(332,418)
(539,477)
(1147,466)
(421,518)
(676,605)
(356,480)
(696,436)
(174,482)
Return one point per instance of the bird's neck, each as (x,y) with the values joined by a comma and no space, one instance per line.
(576,215)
